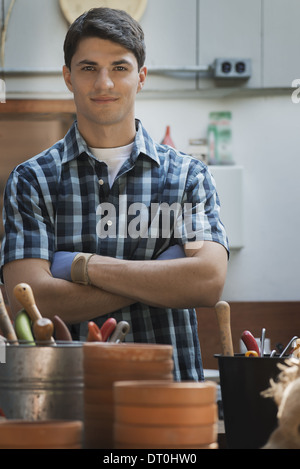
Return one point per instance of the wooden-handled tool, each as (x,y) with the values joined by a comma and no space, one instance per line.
(24,295)
(223,316)
(6,326)
(43,330)
(61,330)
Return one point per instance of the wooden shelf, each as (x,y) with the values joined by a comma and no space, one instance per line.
(37,106)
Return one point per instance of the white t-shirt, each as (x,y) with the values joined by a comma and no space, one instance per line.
(114,158)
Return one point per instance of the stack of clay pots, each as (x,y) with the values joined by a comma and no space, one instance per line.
(52,434)
(156,414)
(105,363)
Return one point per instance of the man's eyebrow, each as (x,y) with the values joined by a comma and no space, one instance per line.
(114,63)
(122,62)
(86,62)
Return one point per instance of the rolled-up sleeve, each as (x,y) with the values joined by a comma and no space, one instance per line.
(28,230)
(200,219)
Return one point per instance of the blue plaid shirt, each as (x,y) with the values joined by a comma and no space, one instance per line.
(52,204)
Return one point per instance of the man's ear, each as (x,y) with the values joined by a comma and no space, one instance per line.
(142,78)
(67,77)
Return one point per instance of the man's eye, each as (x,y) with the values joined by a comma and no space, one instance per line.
(120,68)
(88,68)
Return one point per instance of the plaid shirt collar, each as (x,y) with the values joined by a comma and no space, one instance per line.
(75,145)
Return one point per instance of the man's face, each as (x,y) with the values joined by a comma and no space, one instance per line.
(104,79)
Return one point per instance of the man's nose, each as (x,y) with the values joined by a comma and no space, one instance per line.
(103,80)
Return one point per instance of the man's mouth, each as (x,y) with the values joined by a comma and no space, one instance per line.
(103,99)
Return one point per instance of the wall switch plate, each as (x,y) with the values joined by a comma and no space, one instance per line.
(227,68)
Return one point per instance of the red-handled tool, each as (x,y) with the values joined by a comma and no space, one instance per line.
(250,342)
(108,328)
(94,333)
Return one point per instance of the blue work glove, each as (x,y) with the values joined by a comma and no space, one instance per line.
(61,264)
(173,252)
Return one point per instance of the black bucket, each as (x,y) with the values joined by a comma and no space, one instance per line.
(249,418)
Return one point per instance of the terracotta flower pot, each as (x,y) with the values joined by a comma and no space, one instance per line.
(157,414)
(127,351)
(126,370)
(92,395)
(183,447)
(152,392)
(107,366)
(98,433)
(52,434)
(166,415)
(165,435)
(103,364)
(99,411)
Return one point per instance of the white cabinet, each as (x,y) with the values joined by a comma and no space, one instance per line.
(230,29)
(170,28)
(281,38)
(194,33)
(35,36)
(229,183)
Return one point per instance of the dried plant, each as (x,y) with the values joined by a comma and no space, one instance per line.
(286,394)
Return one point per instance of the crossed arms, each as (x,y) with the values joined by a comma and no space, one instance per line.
(188,282)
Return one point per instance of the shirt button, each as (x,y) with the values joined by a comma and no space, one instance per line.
(109,222)
(101,182)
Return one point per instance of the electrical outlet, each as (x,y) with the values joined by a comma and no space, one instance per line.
(232,68)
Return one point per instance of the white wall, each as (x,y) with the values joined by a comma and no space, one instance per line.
(266,137)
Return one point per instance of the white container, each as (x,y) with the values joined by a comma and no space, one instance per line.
(220,138)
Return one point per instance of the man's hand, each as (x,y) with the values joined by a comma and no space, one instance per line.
(187,282)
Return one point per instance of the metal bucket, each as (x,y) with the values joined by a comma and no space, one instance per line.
(42,382)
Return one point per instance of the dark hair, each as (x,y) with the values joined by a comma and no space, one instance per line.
(106,23)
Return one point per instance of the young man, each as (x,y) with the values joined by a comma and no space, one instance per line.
(109,190)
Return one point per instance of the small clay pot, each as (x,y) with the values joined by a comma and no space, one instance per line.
(108,368)
(166,415)
(168,393)
(99,411)
(98,437)
(92,395)
(127,351)
(97,381)
(51,434)
(104,363)
(183,447)
(162,414)
(165,435)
